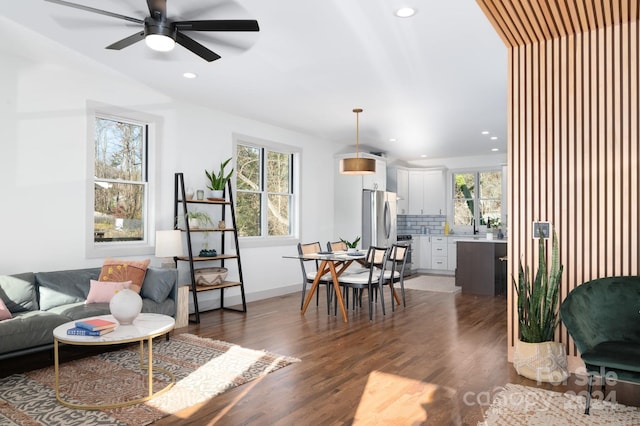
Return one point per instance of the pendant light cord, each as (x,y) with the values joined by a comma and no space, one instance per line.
(357,111)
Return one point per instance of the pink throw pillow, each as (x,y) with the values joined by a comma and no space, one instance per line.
(4,312)
(103,291)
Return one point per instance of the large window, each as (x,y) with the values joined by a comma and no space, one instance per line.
(477,196)
(120,180)
(264,190)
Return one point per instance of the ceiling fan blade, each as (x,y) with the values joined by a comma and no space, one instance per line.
(195,47)
(219,25)
(158,9)
(126,42)
(94,10)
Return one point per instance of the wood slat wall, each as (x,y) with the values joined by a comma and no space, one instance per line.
(573,123)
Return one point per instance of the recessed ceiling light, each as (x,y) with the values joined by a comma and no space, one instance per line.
(485,132)
(493,138)
(392,140)
(189,75)
(405,12)
(495,149)
(423,156)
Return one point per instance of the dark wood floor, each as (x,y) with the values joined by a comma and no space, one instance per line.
(445,341)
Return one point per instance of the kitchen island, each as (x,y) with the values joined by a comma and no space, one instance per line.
(481,266)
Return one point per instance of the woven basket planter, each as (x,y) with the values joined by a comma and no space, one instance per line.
(542,362)
(210,276)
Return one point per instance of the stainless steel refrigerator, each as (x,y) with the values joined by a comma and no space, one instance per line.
(379,219)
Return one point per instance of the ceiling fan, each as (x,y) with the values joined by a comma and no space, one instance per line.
(161,33)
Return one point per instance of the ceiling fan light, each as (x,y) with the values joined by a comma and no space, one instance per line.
(159,42)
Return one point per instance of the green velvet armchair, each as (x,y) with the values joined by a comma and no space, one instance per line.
(603,318)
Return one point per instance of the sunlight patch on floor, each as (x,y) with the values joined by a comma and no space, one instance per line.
(394,400)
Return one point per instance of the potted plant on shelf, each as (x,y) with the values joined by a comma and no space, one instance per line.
(198,219)
(217,181)
(351,246)
(537,356)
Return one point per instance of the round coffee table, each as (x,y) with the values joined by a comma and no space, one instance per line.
(144,328)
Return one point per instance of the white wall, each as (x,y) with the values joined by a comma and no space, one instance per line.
(43,168)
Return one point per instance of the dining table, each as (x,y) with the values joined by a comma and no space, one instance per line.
(336,263)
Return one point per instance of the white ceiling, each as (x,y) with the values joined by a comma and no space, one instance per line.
(433,82)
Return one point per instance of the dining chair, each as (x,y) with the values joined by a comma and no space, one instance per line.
(371,280)
(309,275)
(398,258)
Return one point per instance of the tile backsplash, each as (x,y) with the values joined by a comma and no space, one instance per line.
(421,224)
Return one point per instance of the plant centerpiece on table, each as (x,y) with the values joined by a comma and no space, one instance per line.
(217,181)
(537,356)
(351,246)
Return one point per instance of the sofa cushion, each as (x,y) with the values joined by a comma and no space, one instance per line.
(158,284)
(4,312)
(59,288)
(18,292)
(28,329)
(103,291)
(125,270)
(79,310)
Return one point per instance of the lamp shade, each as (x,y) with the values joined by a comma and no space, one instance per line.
(357,166)
(168,243)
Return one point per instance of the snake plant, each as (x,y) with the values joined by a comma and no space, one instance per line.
(217,181)
(538,303)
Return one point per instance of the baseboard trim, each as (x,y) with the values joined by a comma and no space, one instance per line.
(211,299)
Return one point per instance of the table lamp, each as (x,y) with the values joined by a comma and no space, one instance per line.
(168,246)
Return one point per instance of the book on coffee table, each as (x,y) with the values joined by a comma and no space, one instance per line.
(95,324)
(78,331)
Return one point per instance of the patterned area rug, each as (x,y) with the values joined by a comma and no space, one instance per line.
(203,369)
(518,405)
(438,283)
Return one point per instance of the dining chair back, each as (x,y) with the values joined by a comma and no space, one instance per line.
(309,272)
(398,255)
(371,280)
(337,246)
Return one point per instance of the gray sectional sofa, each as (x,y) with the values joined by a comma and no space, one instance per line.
(41,301)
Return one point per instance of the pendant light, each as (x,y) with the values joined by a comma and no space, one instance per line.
(357,165)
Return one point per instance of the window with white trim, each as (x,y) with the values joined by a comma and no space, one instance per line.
(120,200)
(265,183)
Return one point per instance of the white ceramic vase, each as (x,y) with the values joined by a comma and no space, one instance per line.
(125,306)
(217,193)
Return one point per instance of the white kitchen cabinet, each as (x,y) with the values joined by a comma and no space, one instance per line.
(416,192)
(439,253)
(398,182)
(403,191)
(427,192)
(416,252)
(378,180)
(434,192)
(425,250)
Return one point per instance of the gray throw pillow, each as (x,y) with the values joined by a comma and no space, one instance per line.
(158,284)
(18,292)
